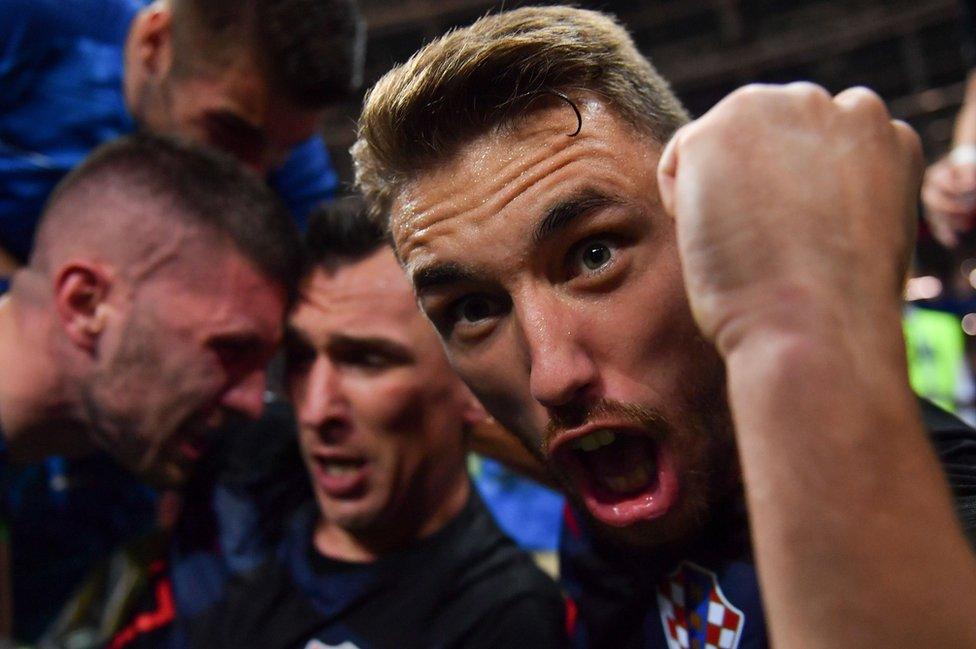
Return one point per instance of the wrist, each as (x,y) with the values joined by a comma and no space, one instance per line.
(865,335)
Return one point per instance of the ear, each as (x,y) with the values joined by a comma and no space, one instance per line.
(80,293)
(149,51)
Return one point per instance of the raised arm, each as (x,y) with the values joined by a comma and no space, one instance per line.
(795,213)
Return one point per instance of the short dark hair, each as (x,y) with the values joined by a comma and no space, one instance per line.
(204,187)
(312,51)
(340,233)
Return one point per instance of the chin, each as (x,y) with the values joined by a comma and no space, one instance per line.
(348,516)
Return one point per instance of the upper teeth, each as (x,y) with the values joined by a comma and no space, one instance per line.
(339,469)
(593,441)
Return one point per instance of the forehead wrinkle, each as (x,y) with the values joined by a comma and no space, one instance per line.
(514,180)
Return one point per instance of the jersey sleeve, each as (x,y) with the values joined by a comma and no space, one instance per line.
(306,179)
(21,23)
(29,28)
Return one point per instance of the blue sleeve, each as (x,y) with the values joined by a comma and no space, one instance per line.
(27,23)
(306,179)
(21,23)
(29,28)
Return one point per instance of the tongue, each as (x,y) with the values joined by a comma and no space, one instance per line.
(623,457)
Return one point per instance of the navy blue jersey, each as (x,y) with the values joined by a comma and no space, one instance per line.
(467,586)
(706,593)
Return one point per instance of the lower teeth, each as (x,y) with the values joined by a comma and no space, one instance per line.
(631,481)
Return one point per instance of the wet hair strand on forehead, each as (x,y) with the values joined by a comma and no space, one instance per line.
(477,78)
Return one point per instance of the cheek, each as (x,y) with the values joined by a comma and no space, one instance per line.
(648,329)
(386,404)
(500,381)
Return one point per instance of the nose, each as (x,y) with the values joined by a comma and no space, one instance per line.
(247,395)
(317,394)
(562,369)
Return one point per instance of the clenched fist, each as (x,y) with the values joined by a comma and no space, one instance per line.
(791,204)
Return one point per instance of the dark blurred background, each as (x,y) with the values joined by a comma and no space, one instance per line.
(914,53)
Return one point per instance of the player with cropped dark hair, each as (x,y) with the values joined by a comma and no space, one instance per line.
(150,306)
(398,550)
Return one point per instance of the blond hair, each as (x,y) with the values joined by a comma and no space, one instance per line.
(473,79)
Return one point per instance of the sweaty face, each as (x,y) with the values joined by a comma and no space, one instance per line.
(551,272)
(187,347)
(232,109)
(379,408)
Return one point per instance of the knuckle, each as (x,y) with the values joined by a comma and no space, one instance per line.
(910,140)
(808,90)
(749,94)
(863,103)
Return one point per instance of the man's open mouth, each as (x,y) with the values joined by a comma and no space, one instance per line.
(623,476)
(339,477)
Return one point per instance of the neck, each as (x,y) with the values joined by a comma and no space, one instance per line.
(408,524)
(36,417)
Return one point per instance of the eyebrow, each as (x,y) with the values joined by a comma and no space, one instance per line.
(382,345)
(341,341)
(558,217)
(566,211)
(435,275)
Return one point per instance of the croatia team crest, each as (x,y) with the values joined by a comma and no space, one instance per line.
(695,613)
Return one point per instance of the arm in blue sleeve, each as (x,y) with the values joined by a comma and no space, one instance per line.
(30,28)
(306,179)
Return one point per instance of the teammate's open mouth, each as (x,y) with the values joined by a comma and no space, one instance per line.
(339,476)
(623,477)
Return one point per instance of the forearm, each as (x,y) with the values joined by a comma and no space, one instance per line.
(833,456)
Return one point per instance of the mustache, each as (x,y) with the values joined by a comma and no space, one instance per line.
(573,416)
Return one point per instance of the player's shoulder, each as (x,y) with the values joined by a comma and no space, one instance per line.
(493,578)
